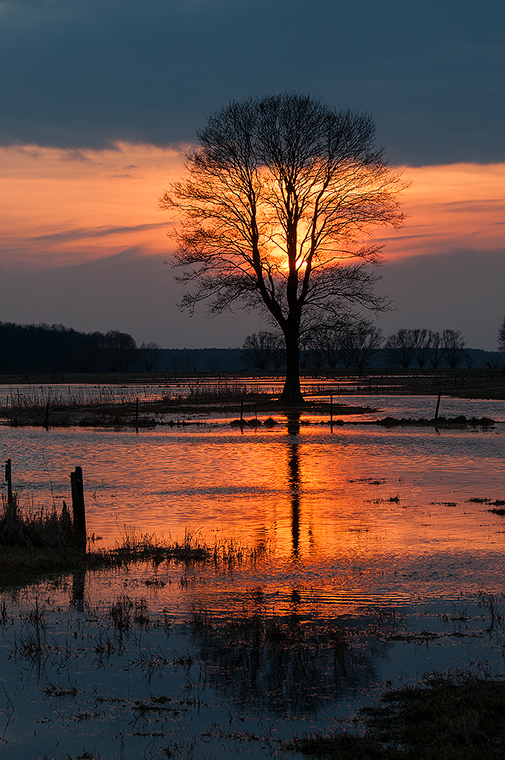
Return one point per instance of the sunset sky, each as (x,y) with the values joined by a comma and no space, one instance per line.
(100,100)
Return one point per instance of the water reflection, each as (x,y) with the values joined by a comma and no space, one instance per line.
(288,665)
(371,500)
(78,589)
(294,480)
(347,534)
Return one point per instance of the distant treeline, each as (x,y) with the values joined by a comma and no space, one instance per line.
(55,349)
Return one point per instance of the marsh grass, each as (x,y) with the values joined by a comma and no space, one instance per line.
(22,524)
(456,716)
(35,542)
(282,662)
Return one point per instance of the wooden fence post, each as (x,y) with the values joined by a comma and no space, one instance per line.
(11,501)
(79,513)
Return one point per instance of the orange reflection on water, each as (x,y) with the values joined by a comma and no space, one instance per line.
(307,495)
(311,501)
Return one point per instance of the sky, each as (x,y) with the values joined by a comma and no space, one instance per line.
(100,101)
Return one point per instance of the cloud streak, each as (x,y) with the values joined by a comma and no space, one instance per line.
(50,214)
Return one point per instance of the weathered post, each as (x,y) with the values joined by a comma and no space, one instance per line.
(137,413)
(11,501)
(331,411)
(78,510)
(438,405)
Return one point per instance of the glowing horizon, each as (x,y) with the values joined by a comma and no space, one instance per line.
(64,207)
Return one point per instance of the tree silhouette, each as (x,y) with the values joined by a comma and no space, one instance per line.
(453,347)
(501,336)
(260,350)
(361,344)
(401,348)
(120,349)
(150,354)
(276,210)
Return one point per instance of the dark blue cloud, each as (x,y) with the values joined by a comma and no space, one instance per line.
(85,74)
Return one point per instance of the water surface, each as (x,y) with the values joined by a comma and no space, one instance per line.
(356,556)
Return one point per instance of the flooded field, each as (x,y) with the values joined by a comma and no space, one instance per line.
(348,559)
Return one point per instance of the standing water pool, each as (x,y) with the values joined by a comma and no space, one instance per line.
(347,558)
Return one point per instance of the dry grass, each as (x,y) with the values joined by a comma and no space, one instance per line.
(24,525)
(38,542)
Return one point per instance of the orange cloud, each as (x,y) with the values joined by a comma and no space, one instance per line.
(65,207)
(451,207)
(72,206)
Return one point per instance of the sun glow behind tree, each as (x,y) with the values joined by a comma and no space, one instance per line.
(277,210)
(60,209)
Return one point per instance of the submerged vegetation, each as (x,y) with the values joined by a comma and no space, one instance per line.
(458,717)
(241,660)
(260,667)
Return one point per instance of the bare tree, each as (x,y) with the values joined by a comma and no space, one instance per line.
(150,355)
(361,343)
(436,351)
(311,346)
(453,345)
(259,350)
(121,349)
(501,336)
(421,346)
(280,198)
(400,347)
(330,342)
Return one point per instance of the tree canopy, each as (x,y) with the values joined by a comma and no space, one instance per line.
(277,209)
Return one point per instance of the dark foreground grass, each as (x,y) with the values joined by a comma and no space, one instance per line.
(20,565)
(459,717)
(36,542)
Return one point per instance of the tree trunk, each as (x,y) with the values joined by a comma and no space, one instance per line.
(291,394)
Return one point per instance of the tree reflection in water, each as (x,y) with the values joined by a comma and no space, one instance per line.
(294,480)
(291,665)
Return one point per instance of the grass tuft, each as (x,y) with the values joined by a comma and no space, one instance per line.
(24,525)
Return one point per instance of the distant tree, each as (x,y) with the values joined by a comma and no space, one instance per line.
(121,348)
(400,348)
(494,359)
(436,351)
(453,346)
(331,344)
(259,349)
(49,348)
(150,355)
(421,347)
(361,343)
(280,197)
(501,336)
(312,350)
(279,355)
(176,360)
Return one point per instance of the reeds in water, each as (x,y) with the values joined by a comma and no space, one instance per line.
(27,526)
